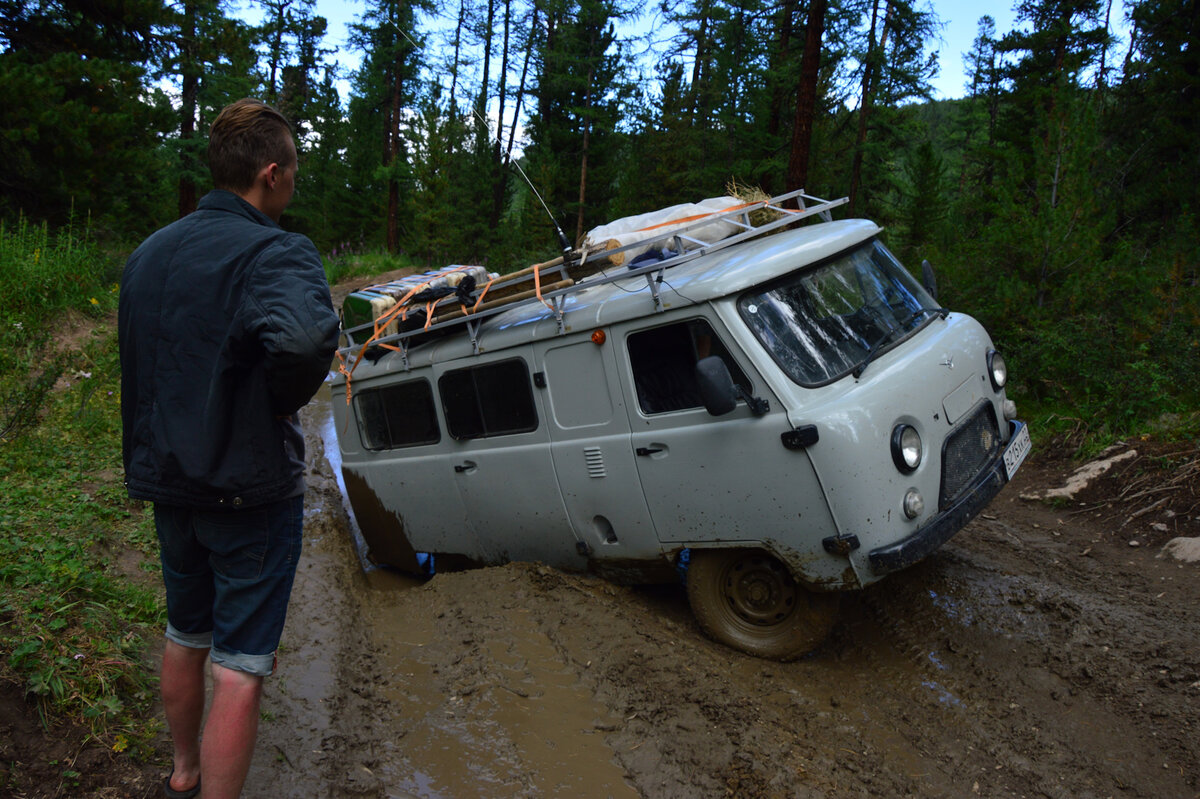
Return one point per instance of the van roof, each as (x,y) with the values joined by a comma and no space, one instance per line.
(718,274)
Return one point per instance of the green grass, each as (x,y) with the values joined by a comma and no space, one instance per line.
(43,275)
(366,264)
(76,612)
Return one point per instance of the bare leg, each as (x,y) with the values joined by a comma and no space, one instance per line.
(230,732)
(182,684)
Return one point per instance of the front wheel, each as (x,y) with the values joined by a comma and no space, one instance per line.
(748,599)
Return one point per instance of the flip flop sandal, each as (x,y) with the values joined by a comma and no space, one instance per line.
(171,793)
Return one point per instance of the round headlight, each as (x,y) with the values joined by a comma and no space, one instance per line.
(914,503)
(906,448)
(997,369)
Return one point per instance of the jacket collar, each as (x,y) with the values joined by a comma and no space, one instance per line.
(223,200)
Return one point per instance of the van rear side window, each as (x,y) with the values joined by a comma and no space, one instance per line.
(490,400)
(402,415)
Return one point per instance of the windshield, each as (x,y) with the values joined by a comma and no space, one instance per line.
(823,323)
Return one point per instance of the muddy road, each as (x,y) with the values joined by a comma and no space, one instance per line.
(1039,654)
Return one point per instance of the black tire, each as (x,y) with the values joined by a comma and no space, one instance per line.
(748,599)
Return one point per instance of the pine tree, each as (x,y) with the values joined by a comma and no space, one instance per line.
(210,57)
(81,124)
(384,89)
(575,140)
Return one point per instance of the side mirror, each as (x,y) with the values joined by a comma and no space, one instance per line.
(716,386)
(929,278)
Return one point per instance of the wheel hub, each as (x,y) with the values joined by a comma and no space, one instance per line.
(760,591)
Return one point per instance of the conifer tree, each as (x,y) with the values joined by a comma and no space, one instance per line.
(384,88)
(579,92)
(80,124)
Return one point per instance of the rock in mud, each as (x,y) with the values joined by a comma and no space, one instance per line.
(1182,549)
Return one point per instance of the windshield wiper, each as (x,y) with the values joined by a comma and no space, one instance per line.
(891,332)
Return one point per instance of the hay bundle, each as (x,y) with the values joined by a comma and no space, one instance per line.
(753,194)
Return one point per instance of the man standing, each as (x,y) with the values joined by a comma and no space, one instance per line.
(226,331)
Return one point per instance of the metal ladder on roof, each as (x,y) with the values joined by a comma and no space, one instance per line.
(680,243)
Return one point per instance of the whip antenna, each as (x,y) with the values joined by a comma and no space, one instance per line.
(563,241)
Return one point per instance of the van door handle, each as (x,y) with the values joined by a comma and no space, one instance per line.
(469,466)
(647,451)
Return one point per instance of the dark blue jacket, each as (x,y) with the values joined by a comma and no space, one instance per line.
(226,330)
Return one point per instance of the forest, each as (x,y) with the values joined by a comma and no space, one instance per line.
(1057,198)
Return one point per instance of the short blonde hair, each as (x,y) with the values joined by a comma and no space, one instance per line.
(246,136)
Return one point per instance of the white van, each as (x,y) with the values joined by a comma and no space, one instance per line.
(786,412)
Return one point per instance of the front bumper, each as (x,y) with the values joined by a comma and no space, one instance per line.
(923,542)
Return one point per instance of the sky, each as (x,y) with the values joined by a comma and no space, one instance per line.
(960,19)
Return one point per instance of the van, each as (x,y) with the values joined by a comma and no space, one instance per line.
(781,414)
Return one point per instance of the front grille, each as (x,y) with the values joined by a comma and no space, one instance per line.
(971,446)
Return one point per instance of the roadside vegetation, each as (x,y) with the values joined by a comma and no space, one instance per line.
(1056,200)
(81,602)
(78,600)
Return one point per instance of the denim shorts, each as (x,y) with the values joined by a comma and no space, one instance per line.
(229,576)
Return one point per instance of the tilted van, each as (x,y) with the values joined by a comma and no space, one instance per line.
(777,409)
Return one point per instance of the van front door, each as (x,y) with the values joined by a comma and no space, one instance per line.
(708,478)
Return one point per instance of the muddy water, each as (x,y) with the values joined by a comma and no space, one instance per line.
(1006,665)
(527,727)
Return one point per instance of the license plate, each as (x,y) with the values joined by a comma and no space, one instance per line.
(1017,449)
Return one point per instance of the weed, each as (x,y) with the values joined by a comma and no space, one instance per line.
(347,265)
(73,628)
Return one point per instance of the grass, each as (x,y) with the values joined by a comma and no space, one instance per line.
(43,274)
(74,626)
(366,264)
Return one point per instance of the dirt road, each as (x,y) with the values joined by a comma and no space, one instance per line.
(1039,654)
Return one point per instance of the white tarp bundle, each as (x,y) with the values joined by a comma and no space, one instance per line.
(632,229)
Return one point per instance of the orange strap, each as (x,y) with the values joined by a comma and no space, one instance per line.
(475,307)
(380,324)
(687,219)
(537,288)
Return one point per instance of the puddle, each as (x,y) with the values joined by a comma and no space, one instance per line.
(521,725)
(448,717)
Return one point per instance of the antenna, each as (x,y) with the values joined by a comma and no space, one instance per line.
(563,242)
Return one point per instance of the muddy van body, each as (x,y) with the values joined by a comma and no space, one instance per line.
(789,416)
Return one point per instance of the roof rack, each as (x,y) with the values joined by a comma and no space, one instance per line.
(551,283)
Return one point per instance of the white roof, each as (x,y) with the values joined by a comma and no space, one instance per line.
(707,277)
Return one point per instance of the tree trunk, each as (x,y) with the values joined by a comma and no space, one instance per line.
(393,150)
(462,14)
(280,8)
(512,131)
(499,179)
(699,74)
(583,166)
(864,106)
(806,96)
(481,103)
(187,109)
(787,12)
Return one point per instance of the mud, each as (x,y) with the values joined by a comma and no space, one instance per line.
(1051,649)
(1036,655)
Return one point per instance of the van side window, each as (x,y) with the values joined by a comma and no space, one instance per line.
(664,364)
(494,399)
(400,415)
